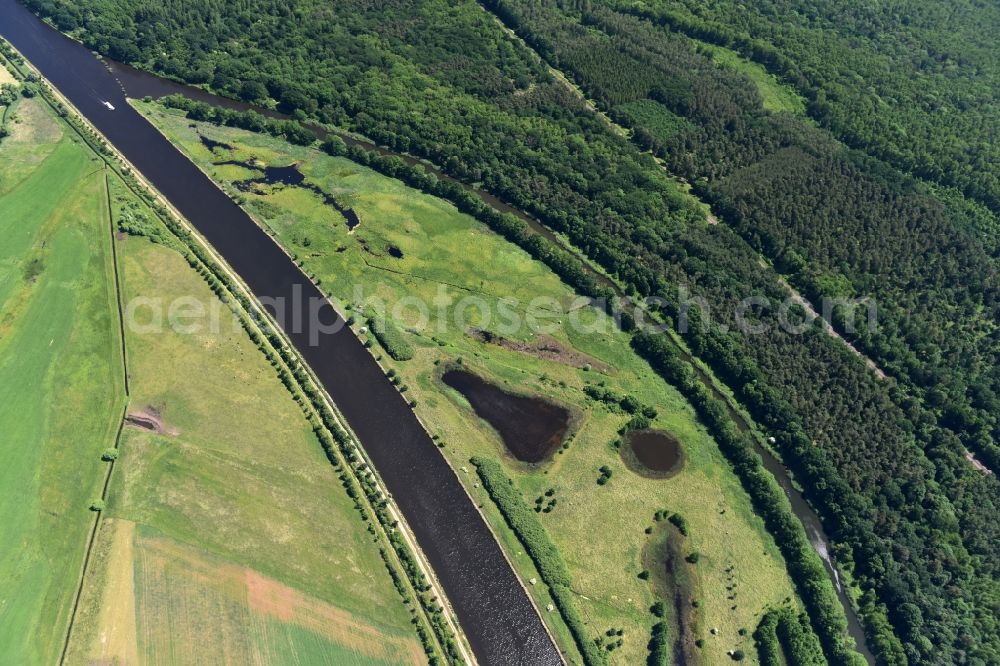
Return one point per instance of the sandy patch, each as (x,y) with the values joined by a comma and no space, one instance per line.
(116,640)
(192,593)
(150,420)
(5,75)
(976,463)
(545,347)
(33,125)
(273,599)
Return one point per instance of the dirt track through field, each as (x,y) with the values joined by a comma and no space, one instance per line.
(117,641)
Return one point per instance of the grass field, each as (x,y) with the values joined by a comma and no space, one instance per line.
(241,544)
(61,381)
(228,537)
(656,118)
(241,616)
(446,257)
(777,96)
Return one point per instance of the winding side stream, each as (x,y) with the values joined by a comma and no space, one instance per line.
(809,518)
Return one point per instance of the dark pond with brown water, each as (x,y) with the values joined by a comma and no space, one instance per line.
(653,452)
(531,428)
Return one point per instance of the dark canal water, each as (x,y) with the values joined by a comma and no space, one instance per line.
(501,623)
(531,428)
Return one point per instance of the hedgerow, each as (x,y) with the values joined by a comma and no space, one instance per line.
(390,337)
(540,549)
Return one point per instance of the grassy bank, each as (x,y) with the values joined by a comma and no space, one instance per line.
(227,537)
(599,531)
(61,377)
(240,535)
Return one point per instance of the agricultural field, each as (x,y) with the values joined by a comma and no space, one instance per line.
(6,76)
(415,246)
(226,536)
(229,538)
(883,189)
(61,376)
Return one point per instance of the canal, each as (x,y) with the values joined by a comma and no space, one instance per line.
(502,625)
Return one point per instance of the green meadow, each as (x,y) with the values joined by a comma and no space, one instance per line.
(655,117)
(230,534)
(227,536)
(776,95)
(412,248)
(61,376)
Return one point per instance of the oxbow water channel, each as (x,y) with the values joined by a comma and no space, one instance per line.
(502,625)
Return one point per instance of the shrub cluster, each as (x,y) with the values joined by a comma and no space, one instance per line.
(618,403)
(605,476)
(135,222)
(766,638)
(390,337)
(9,92)
(659,646)
(785,633)
(678,521)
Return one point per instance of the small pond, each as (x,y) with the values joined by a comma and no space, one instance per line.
(531,428)
(292,177)
(212,144)
(655,453)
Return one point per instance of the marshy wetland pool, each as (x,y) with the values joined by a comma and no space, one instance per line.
(288,175)
(653,453)
(531,428)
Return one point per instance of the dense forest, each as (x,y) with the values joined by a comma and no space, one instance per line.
(839,224)
(915,82)
(900,212)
